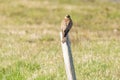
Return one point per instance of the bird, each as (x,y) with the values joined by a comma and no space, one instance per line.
(66,25)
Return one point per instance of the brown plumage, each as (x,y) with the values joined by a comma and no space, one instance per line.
(66,26)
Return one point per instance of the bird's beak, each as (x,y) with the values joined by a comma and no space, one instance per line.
(65,17)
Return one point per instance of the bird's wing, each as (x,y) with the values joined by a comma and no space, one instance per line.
(67,28)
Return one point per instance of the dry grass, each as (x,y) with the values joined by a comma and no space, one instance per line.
(30,43)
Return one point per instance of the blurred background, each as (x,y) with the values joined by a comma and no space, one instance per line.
(30,46)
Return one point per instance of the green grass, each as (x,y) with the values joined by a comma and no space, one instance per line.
(30,47)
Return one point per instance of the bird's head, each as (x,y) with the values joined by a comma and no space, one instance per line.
(67,16)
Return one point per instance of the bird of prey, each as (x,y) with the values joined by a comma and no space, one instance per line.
(66,26)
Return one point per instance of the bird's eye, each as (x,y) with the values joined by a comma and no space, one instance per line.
(68,16)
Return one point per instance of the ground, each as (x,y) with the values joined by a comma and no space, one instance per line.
(30,46)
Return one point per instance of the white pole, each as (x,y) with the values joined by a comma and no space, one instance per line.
(67,55)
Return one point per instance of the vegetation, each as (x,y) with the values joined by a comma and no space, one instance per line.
(30,46)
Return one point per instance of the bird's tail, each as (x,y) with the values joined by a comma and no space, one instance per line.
(64,39)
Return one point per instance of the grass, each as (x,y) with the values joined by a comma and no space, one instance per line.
(30,43)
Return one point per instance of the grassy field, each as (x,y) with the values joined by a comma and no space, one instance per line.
(30,46)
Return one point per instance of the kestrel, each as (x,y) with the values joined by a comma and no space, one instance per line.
(66,26)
